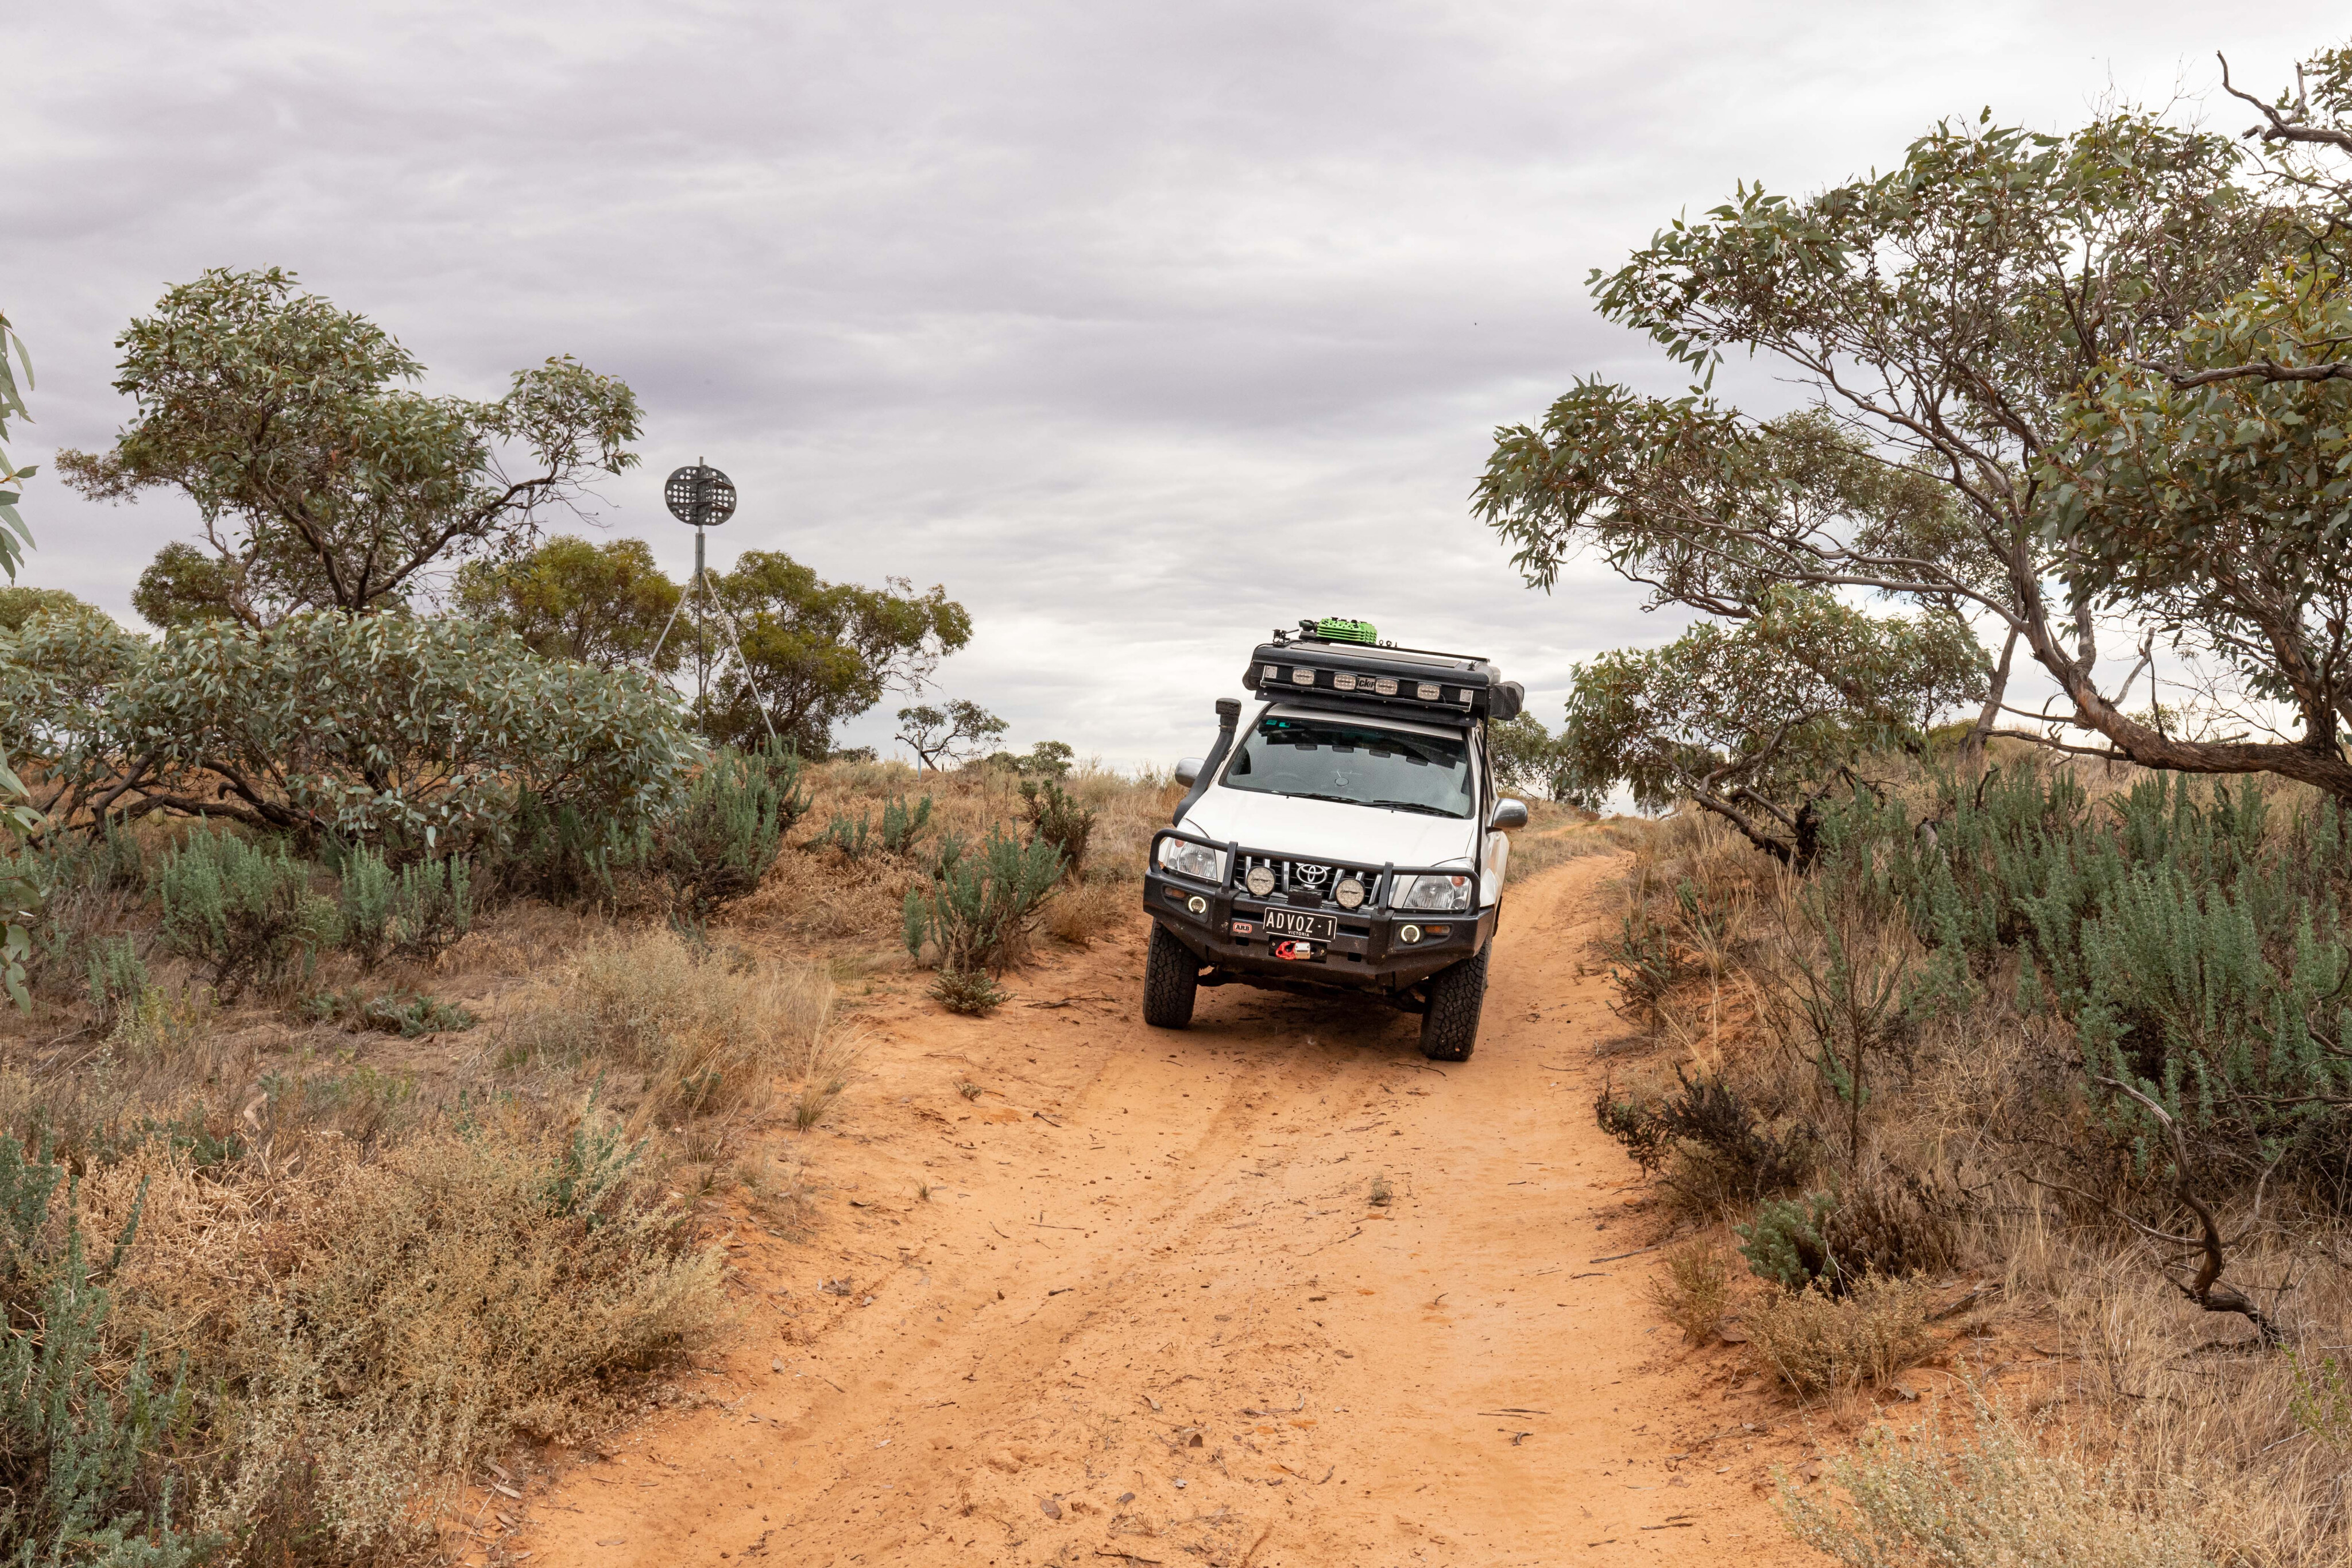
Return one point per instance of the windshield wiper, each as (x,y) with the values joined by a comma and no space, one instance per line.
(1416,806)
(1309,795)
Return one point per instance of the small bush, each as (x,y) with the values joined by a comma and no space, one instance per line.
(901,826)
(973,992)
(721,841)
(467,1286)
(978,912)
(1889,1223)
(433,908)
(707,1035)
(1083,911)
(824,1070)
(563,855)
(1784,1244)
(1994,1499)
(159,1027)
(84,1455)
(247,912)
(1059,821)
(1815,1342)
(410,1017)
(1694,1292)
(363,901)
(1724,1160)
(118,978)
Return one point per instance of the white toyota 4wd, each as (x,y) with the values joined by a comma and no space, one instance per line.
(1348,837)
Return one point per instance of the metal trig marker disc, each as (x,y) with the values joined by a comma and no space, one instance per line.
(699,497)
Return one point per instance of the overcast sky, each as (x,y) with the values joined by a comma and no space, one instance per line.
(1143,329)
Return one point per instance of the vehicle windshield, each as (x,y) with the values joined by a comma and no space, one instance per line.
(1332,759)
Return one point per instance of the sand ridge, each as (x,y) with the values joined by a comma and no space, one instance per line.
(1151,1311)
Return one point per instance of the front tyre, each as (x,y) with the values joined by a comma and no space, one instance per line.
(1171,979)
(1449,1029)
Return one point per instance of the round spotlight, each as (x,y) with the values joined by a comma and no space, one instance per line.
(1350,893)
(1261,880)
(1197,904)
(1409,934)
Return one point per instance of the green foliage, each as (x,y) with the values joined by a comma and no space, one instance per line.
(977,911)
(605,605)
(569,853)
(19,605)
(1046,759)
(1981,466)
(721,839)
(2196,944)
(424,736)
(1784,1244)
(118,980)
(1058,820)
(20,896)
(59,676)
(85,1464)
(812,652)
(2321,1400)
(901,826)
(1528,761)
(323,481)
(972,992)
(1758,721)
(15,537)
(245,911)
(185,586)
(944,736)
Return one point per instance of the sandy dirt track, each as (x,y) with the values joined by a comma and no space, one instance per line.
(1149,1312)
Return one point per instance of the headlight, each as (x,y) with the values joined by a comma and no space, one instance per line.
(1436,893)
(1198,862)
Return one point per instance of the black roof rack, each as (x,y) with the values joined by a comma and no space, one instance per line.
(1417,682)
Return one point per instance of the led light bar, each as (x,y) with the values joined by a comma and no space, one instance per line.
(1302,677)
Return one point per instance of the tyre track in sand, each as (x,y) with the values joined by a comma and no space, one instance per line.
(1151,1312)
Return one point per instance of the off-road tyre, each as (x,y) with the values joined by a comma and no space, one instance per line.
(1449,1029)
(1171,979)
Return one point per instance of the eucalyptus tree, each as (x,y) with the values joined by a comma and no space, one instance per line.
(2204,481)
(324,481)
(1948,318)
(1759,718)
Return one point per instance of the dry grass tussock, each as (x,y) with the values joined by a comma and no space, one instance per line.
(1889,1126)
(708,1032)
(362,1262)
(1997,1496)
(359,1329)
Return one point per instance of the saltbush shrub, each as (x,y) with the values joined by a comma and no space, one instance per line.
(1058,820)
(977,911)
(720,840)
(85,1458)
(243,911)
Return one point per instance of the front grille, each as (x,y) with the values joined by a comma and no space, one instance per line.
(1299,879)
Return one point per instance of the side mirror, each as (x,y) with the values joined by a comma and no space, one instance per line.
(1509,814)
(1188,771)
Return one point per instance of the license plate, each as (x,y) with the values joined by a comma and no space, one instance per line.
(1298,923)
